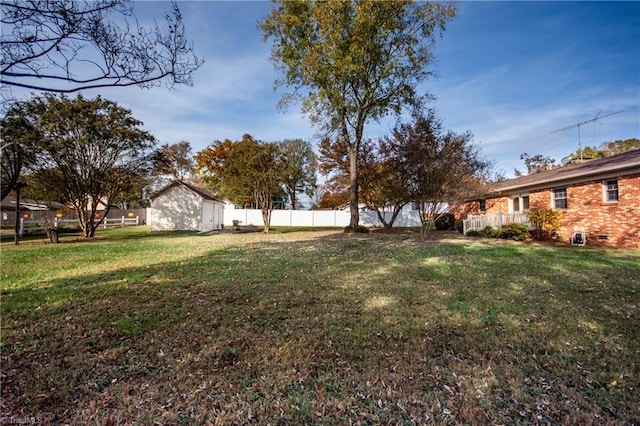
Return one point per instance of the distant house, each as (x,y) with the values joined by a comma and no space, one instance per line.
(35,209)
(181,206)
(601,197)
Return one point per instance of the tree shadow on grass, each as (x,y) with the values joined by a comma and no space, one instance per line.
(335,328)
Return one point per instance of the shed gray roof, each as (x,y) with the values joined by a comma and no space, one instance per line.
(200,191)
(621,164)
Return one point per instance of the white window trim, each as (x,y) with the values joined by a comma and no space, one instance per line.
(518,197)
(605,191)
(553,198)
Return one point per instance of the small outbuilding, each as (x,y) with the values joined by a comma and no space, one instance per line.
(182,206)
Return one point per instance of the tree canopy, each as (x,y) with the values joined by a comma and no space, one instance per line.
(606,149)
(62,46)
(10,166)
(91,151)
(439,167)
(539,163)
(536,163)
(418,162)
(352,62)
(620,146)
(174,160)
(298,171)
(246,172)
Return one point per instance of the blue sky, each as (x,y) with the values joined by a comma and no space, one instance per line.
(509,72)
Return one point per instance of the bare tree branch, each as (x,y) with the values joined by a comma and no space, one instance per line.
(66,46)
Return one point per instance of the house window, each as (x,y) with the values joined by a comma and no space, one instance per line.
(520,203)
(516,204)
(611,190)
(482,205)
(560,198)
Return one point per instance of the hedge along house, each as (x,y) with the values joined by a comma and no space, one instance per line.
(182,206)
(600,198)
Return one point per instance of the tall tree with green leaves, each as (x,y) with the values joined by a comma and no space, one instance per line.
(174,160)
(93,150)
(536,163)
(246,172)
(353,62)
(620,146)
(587,153)
(298,171)
(210,161)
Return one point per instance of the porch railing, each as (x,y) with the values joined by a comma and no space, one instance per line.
(494,220)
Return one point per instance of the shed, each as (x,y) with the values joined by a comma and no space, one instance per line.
(182,206)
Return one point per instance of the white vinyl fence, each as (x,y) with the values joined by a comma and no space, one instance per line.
(38,225)
(315,218)
(494,220)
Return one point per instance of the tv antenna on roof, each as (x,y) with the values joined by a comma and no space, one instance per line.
(594,119)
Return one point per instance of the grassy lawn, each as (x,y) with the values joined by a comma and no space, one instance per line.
(318,328)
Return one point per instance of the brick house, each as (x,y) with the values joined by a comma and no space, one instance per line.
(600,196)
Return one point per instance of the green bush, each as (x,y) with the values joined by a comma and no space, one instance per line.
(459,226)
(515,231)
(357,230)
(489,232)
(445,221)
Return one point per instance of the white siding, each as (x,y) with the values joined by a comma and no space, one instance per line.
(176,209)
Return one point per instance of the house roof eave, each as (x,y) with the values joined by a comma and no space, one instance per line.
(617,165)
(206,195)
(566,181)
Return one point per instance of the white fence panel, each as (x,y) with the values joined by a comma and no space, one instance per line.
(368,218)
(301,217)
(320,218)
(314,218)
(408,217)
(494,220)
(338,218)
(279,218)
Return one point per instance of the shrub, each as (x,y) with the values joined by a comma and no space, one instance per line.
(459,226)
(545,221)
(489,232)
(474,233)
(515,231)
(445,221)
(357,230)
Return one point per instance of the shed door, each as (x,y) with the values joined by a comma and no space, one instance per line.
(207,217)
(218,218)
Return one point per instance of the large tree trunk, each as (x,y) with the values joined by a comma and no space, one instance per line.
(266,218)
(353,178)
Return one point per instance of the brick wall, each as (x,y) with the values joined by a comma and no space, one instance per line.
(614,224)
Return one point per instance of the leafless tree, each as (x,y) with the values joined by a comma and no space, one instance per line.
(66,46)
